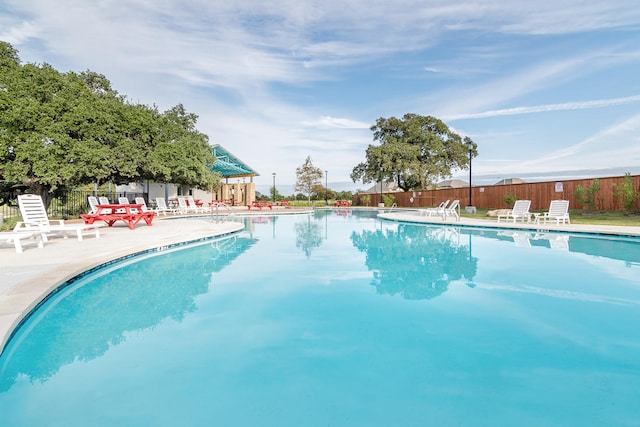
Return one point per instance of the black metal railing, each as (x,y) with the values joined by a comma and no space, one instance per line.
(68,206)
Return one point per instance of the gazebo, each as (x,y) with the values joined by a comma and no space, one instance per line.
(231,167)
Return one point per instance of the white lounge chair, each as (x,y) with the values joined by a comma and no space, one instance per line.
(439,210)
(104,201)
(141,201)
(93,204)
(452,210)
(184,207)
(193,203)
(558,211)
(35,219)
(520,211)
(162,208)
(16,237)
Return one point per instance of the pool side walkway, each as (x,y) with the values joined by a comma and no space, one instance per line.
(26,278)
(407,215)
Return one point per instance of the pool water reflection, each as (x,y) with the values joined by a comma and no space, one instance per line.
(340,319)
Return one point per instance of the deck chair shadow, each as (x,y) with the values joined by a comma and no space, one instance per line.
(520,211)
(16,238)
(36,219)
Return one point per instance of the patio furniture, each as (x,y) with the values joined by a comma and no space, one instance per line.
(16,238)
(520,211)
(130,214)
(439,210)
(35,218)
(558,211)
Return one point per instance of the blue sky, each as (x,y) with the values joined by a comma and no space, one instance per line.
(549,90)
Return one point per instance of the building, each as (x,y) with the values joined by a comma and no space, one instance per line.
(237,186)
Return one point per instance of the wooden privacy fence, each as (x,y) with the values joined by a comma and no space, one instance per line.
(491,196)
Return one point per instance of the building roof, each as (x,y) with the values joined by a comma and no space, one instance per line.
(387,187)
(508,181)
(453,183)
(228,165)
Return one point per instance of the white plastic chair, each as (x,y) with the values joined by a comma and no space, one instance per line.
(520,211)
(558,211)
(162,208)
(452,210)
(35,218)
(439,210)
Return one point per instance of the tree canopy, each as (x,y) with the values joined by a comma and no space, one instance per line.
(414,152)
(307,178)
(60,130)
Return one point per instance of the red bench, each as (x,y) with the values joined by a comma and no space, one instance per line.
(129,214)
(342,204)
(259,204)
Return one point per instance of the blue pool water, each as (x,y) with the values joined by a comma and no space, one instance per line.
(339,319)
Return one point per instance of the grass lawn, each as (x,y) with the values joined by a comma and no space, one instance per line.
(581,217)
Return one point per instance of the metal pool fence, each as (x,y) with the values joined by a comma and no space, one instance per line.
(68,206)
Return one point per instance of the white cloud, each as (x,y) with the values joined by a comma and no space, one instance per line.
(551,107)
(250,69)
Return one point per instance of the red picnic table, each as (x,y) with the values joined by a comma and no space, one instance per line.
(131,214)
(260,205)
(342,204)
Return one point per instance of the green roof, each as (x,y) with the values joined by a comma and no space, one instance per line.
(228,165)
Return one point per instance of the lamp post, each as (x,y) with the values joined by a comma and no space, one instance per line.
(326,188)
(274,187)
(380,202)
(470,208)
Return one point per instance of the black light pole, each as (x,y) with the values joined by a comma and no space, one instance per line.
(470,208)
(326,187)
(470,201)
(274,187)
(380,177)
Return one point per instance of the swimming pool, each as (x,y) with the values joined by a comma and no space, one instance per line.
(340,319)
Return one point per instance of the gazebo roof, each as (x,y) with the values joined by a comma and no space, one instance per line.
(228,165)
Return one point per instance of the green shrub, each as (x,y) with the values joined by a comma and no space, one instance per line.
(627,193)
(587,196)
(388,199)
(509,199)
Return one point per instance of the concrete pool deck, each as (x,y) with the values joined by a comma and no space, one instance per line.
(27,278)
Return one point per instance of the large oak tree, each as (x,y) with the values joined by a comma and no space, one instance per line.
(61,130)
(414,152)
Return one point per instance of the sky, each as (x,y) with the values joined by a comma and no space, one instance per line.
(548,90)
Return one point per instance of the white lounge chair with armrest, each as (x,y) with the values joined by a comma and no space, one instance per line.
(36,219)
(558,211)
(520,211)
(439,210)
(162,207)
(16,237)
(452,210)
(193,203)
(141,201)
(104,201)
(93,204)
(184,206)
